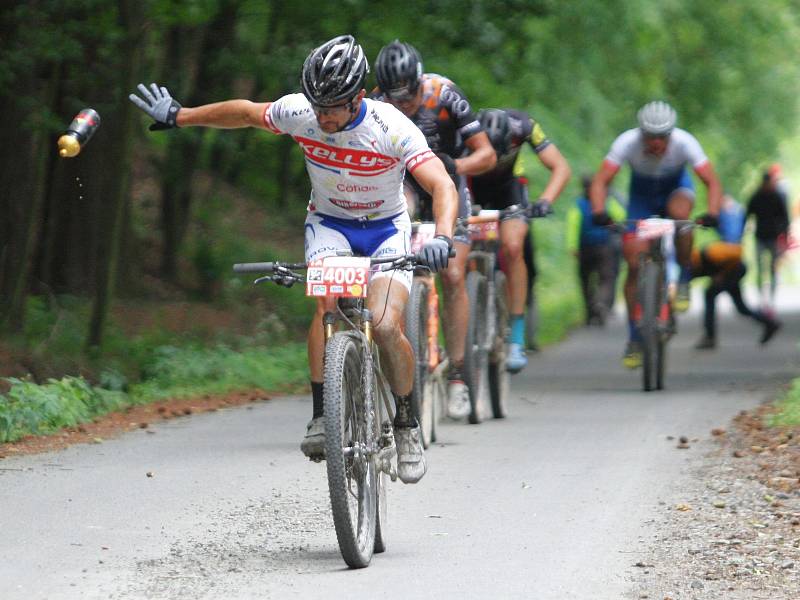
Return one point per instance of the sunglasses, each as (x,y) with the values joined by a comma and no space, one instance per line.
(403,94)
(332,110)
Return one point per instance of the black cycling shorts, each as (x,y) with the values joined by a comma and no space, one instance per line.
(497,195)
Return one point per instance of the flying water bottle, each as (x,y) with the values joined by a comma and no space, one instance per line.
(79,132)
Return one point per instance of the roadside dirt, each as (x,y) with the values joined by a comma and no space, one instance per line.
(736,533)
(134,417)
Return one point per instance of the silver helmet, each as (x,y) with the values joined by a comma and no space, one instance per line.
(657,118)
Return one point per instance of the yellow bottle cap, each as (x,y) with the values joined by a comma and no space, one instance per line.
(68,146)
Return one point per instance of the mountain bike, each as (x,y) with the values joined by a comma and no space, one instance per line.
(429,393)
(486,347)
(653,312)
(358,404)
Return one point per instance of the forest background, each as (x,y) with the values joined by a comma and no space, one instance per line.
(115,265)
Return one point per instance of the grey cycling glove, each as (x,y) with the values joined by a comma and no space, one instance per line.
(435,253)
(158,104)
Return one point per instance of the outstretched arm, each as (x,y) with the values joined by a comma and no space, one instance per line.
(167,112)
(230,114)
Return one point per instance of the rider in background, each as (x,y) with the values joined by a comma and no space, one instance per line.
(509,130)
(598,253)
(356,152)
(658,154)
(443,114)
(721,260)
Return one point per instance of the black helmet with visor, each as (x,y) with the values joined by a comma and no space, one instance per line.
(398,70)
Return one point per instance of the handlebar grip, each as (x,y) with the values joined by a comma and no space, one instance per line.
(260,267)
(452,253)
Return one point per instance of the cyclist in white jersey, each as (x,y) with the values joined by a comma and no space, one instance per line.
(357,152)
(658,154)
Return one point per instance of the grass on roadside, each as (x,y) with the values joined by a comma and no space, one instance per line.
(788,408)
(31,408)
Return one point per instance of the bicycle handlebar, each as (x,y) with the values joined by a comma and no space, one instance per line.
(259,267)
(284,274)
(491,216)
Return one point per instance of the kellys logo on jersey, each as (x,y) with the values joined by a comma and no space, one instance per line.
(357,162)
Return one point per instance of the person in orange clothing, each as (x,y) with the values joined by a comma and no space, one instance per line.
(722,262)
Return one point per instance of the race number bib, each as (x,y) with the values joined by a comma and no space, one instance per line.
(479,232)
(338,276)
(420,234)
(651,229)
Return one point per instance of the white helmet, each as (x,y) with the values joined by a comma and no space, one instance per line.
(656,118)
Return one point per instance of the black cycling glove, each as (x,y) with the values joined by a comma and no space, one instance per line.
(708,220)
(602,219)
(540,208)
(449,163)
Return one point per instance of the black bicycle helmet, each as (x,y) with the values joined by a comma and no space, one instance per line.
(398,68)
(334,72)
(495,123)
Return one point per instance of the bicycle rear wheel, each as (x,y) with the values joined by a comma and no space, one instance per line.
(417,334)
(475,347)
(349,434)
(650,283)
(499,377)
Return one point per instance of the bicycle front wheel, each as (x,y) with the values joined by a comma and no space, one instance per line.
(650,283)
(349,436)
(475,348)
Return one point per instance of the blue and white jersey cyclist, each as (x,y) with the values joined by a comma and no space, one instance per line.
(659,155)
(357,152)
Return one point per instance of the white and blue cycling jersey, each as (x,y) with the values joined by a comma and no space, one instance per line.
(655,178)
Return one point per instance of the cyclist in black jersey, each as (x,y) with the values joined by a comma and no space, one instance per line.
(443,113)
(500,188)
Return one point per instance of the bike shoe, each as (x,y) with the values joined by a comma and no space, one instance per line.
(516,359)
(770,328)
(682,298)
(313,445)
(410,455)
(458,405)
(632,358)
(705,343)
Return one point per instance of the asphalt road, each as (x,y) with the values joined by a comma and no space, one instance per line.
(555,502)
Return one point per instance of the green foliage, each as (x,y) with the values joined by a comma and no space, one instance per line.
(788,408)
(174,372)
(31,408)
(557,292)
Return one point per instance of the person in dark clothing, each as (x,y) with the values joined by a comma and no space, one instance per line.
(598,254)
(768,206)
(722,262)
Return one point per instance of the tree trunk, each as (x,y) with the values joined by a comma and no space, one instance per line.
(122,131)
